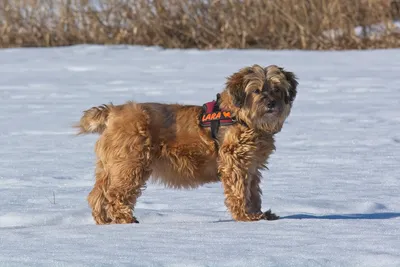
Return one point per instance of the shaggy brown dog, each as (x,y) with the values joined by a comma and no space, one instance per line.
(139,140)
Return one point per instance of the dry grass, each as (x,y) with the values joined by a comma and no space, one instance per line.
(204,24)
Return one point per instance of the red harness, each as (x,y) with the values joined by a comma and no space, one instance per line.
(213,116)
(211,113)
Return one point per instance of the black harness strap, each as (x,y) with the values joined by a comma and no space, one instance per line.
(215,123)
(215,117)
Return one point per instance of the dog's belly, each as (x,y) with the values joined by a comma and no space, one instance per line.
(183,174)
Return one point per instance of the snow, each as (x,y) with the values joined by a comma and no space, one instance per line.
(334,179)
(372,31)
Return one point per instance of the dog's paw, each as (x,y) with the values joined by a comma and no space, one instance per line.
(269,216)
(125,220)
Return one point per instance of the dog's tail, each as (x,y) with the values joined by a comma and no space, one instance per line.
(94,120)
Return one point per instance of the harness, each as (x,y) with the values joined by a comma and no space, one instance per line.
(213,116)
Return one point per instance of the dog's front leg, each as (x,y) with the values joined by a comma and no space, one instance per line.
(235,158)
(236,192)
(243,196)
(241,185)
(254,197)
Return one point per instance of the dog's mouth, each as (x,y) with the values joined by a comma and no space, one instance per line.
(273,107)
(272,110)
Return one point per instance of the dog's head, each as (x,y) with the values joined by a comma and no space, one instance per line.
(261,97)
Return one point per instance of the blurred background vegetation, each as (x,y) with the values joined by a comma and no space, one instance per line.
(203,24)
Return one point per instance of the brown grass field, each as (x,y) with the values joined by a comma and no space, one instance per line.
(203,24)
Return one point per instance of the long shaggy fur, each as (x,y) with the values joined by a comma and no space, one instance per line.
(94,120)
(166,143)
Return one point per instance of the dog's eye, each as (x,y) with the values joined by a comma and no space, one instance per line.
(257,91)
(275,90)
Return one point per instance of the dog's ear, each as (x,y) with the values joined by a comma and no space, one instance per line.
(292,79)
(235,85)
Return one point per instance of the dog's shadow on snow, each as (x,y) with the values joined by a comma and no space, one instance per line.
(355,216)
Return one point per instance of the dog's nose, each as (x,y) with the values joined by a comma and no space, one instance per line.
(271,104)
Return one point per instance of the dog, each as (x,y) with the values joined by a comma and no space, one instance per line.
(186,146)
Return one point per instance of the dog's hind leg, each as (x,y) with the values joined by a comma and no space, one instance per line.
(127,183)
(96,198)
(127,149)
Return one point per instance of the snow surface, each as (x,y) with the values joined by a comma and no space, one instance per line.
(334,178)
